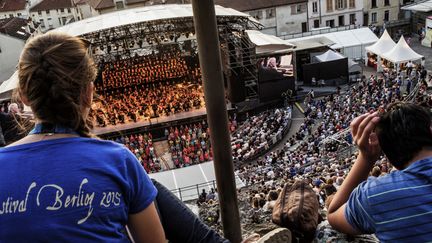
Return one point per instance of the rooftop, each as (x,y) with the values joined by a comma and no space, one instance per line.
(15,27)
(51,4)
(12,5)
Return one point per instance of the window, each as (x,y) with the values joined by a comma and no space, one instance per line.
(352,3)
(42,23)
(11,15)
(352,19)
(62,10)
(341,20)
(386,2)
(315,7)
(270,13)
(69,10)
(256,14)
(316,23)
(50,23)
(47,11)
(39,13)
(330,23)
(340,4)
(374,17)
(119,5)
(64,20)
(19,14)
(386,15)
(329,5)
(373,3)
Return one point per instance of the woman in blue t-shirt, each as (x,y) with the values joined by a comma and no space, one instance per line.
(58,184)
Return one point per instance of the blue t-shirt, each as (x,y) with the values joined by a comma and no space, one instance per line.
(396,207)
(70,190)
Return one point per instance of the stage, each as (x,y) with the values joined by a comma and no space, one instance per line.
(150,121)
(188,182)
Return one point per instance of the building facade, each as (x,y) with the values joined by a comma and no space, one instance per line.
(378,12)
(335,13)
(280,17)
(51,14)
(13,8)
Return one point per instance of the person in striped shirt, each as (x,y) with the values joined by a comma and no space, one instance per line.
(396,207)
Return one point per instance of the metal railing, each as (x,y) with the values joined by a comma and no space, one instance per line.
(192,192)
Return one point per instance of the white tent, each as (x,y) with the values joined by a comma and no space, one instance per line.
(328,56)
(268,43)
(401,53)
(351,43)
(425,6)
(383,45)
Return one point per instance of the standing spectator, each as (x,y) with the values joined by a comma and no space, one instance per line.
(9,124)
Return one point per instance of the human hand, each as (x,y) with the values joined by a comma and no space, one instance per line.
(362,129)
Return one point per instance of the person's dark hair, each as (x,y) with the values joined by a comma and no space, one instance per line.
(403,131)
(55,71)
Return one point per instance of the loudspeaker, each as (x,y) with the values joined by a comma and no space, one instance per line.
(236,87)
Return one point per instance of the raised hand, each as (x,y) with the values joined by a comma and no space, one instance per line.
(362,129)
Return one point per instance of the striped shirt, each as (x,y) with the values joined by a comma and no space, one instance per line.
(396,207)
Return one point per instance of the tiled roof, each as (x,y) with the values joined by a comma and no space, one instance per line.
(16,27)
(101,4)
(51,4)
(12,5)
(247,5)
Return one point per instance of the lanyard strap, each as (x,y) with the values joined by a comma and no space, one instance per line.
(47,128)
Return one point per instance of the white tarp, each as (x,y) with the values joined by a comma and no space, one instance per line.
(268,43)
(328,56)
(8,86)
(350,42)
(401,53)
(139,15)
(383,45)
(425,6)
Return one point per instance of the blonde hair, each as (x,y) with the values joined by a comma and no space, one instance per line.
(54,72)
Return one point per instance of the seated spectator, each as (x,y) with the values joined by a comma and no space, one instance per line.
(370,206)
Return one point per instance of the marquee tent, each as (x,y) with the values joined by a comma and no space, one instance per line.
(351,43)
(401,53)
(7,87)
(383,45)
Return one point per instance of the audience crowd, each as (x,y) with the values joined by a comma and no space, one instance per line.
(141,145)
(309,154)
(190,144)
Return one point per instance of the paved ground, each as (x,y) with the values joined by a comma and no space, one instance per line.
(422,50)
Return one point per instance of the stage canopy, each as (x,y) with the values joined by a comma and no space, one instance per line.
(328,56)
(139,15)
(425,6)
(383,45)
(268,44)
(401,53)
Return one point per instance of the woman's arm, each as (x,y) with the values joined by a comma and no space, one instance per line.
(145,226)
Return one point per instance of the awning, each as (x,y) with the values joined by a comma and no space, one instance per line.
(268,44)
(425,6)
(309,42)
